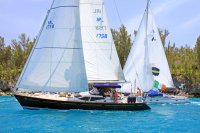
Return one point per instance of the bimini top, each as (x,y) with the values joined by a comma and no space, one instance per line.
(153,93)
(110,85)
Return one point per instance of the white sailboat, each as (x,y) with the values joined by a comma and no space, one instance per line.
(147,56)
(74,48)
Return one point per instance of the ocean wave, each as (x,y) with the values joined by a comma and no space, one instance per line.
(196,103)
(5,100)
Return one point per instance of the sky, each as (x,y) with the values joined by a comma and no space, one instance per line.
(180,17)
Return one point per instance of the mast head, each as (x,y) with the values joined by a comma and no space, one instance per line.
(148,2)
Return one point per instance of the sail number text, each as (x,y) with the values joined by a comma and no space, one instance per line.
(97,11)
(102,35)
(50,25)
(100,20)
(100,27)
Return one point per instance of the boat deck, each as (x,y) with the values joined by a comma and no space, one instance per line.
(34,101)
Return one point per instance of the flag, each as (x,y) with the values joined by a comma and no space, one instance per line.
(156,84)
(155,71)
(164,88)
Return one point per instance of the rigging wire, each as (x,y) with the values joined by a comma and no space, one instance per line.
(116,8)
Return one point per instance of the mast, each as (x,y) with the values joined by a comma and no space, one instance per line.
(146,48)
(146,73)
(147,10)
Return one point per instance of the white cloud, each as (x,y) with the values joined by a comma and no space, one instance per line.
(193,22)
(186,32)
(168,5)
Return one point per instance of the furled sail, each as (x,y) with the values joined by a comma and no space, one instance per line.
(147,51)
(101,59)
(56,62)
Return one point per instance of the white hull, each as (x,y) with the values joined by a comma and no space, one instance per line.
(167,99)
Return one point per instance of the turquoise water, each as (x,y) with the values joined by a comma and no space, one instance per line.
(165,118)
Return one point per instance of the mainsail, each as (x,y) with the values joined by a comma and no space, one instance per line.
(101,59)
(147,51)
(56,62)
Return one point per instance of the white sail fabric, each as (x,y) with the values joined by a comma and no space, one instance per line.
(157,53)
(101,59)
(56,62)
(136,68)
(147,52)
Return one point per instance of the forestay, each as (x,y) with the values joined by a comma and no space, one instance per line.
(101,59)
(56,62)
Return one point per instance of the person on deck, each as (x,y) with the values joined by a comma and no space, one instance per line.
(101,92)
(139,95)
(139,92)
(115,94)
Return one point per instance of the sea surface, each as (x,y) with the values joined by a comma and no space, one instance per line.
(162,118)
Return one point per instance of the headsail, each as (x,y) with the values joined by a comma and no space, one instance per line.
(147,51)
(101,59)
(56,62)
(157,53)
(136,67)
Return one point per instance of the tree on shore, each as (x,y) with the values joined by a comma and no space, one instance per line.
(122,42)
(197,47)
(163,36)
(184,61)
(13,57)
